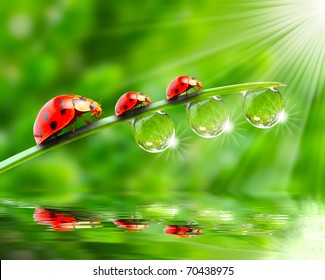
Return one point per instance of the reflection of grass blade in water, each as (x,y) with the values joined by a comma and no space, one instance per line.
(260,228)
(112,120)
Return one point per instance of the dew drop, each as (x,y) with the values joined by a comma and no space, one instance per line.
(207,118)
(263,108)
(153,133)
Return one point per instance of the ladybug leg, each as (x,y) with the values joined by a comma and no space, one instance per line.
(57,135)
(86,121)
(197,89)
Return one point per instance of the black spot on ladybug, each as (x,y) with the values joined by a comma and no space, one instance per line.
(173,85)
(176,90)
(53,125)
(52,214)
(125,107)
(121,101)
(131,100)
(40,133)
(46,116)
(61,102)
(182,84)
(63,111)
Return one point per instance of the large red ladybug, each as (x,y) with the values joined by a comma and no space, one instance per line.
(58,220)
(130,100)
(64,220)
(180,85)
(60,112)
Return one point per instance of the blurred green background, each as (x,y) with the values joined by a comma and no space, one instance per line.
(102,49)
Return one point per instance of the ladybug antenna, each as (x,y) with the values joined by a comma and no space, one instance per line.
(100,101)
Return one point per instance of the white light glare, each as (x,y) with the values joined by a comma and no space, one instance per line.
(173,142)
(228,126)
(282,116)
(317,12)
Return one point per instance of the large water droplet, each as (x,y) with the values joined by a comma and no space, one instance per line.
(263,108)
(153,133)
(207,118)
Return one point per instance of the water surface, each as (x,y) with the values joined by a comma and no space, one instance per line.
(177,226)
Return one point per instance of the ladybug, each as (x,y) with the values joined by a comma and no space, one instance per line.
(64,220)
(180,85)
(182,231)
(58,220)
(131,224)
(60,112)
(130,100)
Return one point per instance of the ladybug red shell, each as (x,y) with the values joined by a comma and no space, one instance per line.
(131,224)
(64,220)
(180,85)
(60,112)
(59,221)
(130,100)
(182,231)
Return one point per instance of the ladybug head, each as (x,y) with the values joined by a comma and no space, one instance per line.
(144,98)
(95,108)
(85,104)
(198,84)
(195,82)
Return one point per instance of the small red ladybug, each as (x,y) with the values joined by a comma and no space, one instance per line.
(130,100)
(131,224)
(180,85)
(182,231)
(60,112)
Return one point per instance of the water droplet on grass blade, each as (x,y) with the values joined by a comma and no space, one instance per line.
(153,133)
(263,108)
(207,118)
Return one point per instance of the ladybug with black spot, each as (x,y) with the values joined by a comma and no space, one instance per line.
(60,112)
(58,220)
(131,100)
(180,85)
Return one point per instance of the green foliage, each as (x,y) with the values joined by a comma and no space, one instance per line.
(102,49)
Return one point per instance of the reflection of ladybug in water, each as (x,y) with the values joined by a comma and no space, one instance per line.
(131,100)
(182,231)
(60,112)
(180,85)
(58,220)
(63,221)
(131,224)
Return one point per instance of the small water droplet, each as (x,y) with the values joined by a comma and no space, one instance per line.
(207,118)
(263,108)
(153,133)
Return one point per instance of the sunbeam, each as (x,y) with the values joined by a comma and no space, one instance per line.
(179,147)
